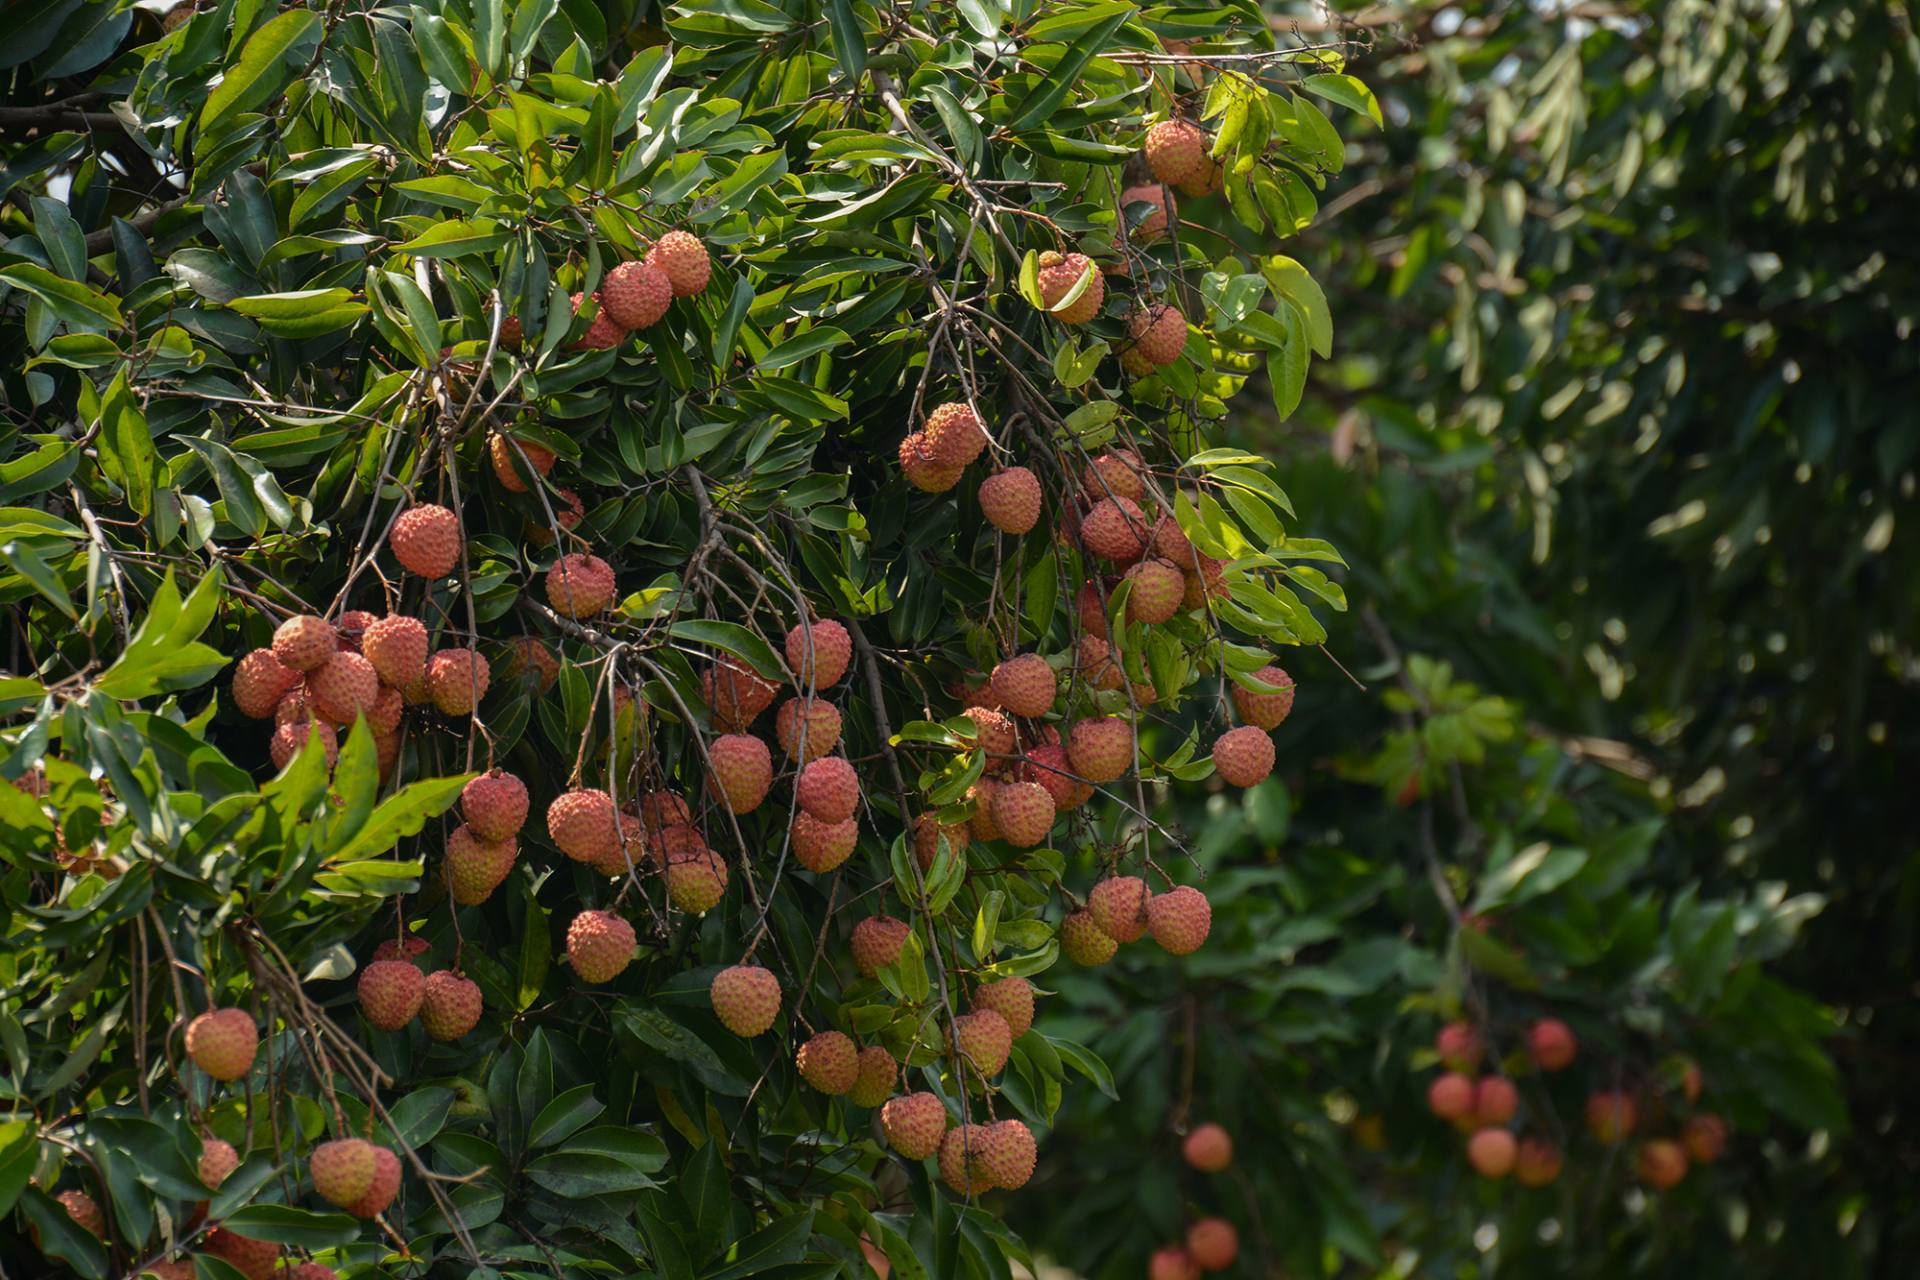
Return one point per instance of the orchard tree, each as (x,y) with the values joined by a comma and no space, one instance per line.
(596,593)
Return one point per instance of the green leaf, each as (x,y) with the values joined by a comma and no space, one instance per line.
(456,238)
(400,815)
(26,562)
(284,1224)
(780,1242)
(73,302)
(732,638)
(1065,74)
(804,347)
(263,68)
(1346,91)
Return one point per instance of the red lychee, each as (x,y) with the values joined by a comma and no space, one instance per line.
(603,333)
(815,720)
(1091,610)
(922,472)
(305,643)
(1552,1044)
(1243,757)
(954,435)
(746,998)
(426,541)
(984,1039)
(1010,500)
(740,769)
(828,789)
(343,687)
(1611,1117)
(874,1082)
(1213,1244)
(1172,1263)
(396,645)
(1093,658)
(568,512)
(1154,591)
(832,650)
(289,740)
(342,1170)
(580,823)
(1120,906)
(1208,1147)
(409,949)
(1114,474)
(914,1124)
(457,679)
(1159,333)
(1451,1096)
(1059,275)
(636,295)
(1266,710)
(1495,1100)
(1177,151)
(352,625)
(829,1062)
(1085,942)
(1492,1152)
(981,825)
(1024,813)
(684,260)
(736,693)
(494,804)
(260,680)
(1100,748)
(928,830)
(1115,529)
(1007,1154)
(822,846)
(993,733)
(475,867)
(579,586)
(696,881)
(383,717)
(1180,919)
(222,1043)
(510,454)
(877,942)
(252,1258)
(1011,998)
(1661,1164)
(386,1178)
(961,1160)
(85,1212)
(1154,224)
(600,945)
(1024,684)
(217,1160)
(1460,1046)
(1537,1163)
(450,1006)
(391,992)
(1705,1137)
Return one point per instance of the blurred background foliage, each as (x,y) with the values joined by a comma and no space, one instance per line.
(1620,433)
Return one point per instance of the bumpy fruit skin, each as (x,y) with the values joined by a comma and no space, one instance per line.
(1451,1096)
(1120,906)
(993,733)
(342,1170)
(289,740)
(457,679)
(740,771)
(1208,580)
(1492,1152)
(955,436)
(568,512)
(252,1258)
(636,295)
(820,846)
(914,1124)
(1661,1164)
(308,1271)
(819,719)
(476,867)
(981,825)
(1154,591)
(344,687)
(1057,277)
(222,1043)
(84,1211)
(386,1184)
(1023,811)
(1154,225)
(922,472)
(829,1062)
(530,655)
(962,1162)
(1115,529)
(1704,1137)
(1537,1163)
(1460,1046)
(832,651)
(217,1159)
(1010,500)
(1008,1154)
(391,992)
(1024,684)
(1495,1100)
(1048,765)
(1208,1148)
(260,680)
(495,804)
(1177,151)
(1159,333)
(409,949)
(1611,1117)
(604,333)
(746,998)
(1172,1263)
(928,830)
(581,825)
(736,694)
(1093,659)
(828,789)
(696,881)
(600,945)
(1180,919)
(1101,748)
(1011,998)
(579,586)
(1243,757)
(984,1039)
(506,453)
(1266,710)
(426,541)
(183,1268)
(873,1084)
(305,643)
(352,625)
(684,260)
(1213,1244)
(450,1006)
(1085,942)
(1552,1044)
(877,942)
(396,645)
(1115,473)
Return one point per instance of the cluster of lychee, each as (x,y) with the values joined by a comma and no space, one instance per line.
(1484,1107)
(394,990)
(1211,1243)
(636,294)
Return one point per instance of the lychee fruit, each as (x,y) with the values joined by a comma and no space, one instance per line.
(922,472)
(603,333)
(1085,942)
(696,881)
(1093,658)
(260,680)
(1492,1152)
(396,645)
(1661,1164)
(928,831)
(85,1212)
(984,1039)
(217,1160)
(832,650)
(740,769)
(342,1170)
(636,295)
(1495,1100)
(383,717)
(1451,1096)
(343,687)
(1704,1137)
(494,804)
(914,1124)
(386,1175)
(993,733)
(457,679)
(391,992)
(1154,591)
(1091,610)
(222,1043)
(1154,224)
(1177,151)
(954,435)
(684,260)
(580,823)
(426,541)
(1007,1154)
(815,720)
(305,643)
(1024,684)
(289,740)
(1115,529)
(1552,1044)
(1208,1147)
(1119,905)
(1159,333)
(1010,500)
(252,1258)
(828,789)
(1243,757)
(1537,1163)
(1114,474)
(736,693)
(600,945)
(877,942)
(302,1271)
(450,1005)
(981,825)
(568,512)
(1023,811)
(1611,1116)
(509,454)
(1100,748)
(829,1062)
(874,1082)
(1059,274)
(475,867)
(579,586)
(1211,180)
(409,949)
(1179,919)
(1459,1046)
(962,1162)
(1048,765)
(823,846)
(352,625)
(1172,1263)
(746,998)
(1213,1244)
(1011,998)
